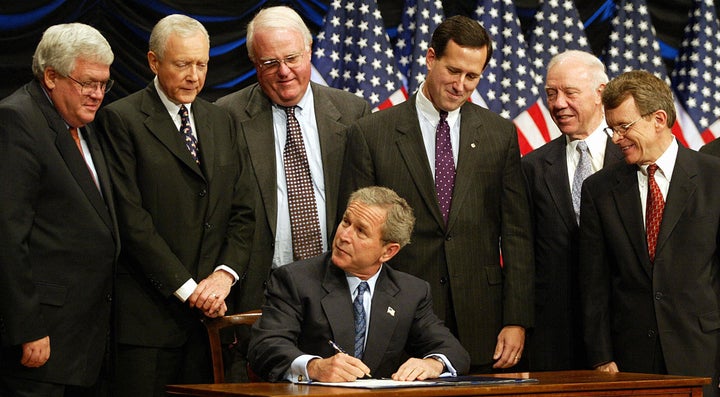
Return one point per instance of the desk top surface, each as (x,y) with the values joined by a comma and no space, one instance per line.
(548,382)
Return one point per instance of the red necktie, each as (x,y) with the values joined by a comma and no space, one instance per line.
(653,212)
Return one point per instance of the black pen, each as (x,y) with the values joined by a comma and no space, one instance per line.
(340,350)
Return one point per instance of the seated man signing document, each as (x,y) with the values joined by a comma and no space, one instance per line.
(346,314)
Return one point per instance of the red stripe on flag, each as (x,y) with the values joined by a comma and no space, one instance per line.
(536,113)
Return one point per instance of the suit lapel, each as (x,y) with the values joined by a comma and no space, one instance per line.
(412,150)
(627,202)
(260,139)
(71,155)
(679,194)
(158,122)
(206,138)
(338,307)
(332,147)
(557,182)
(382,322)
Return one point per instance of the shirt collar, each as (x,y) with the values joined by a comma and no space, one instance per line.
(171,107)
(427,110)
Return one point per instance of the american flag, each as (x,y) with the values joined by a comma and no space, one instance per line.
(633,46)
(697,76)
(557,29)
(419,21)
(352,52)
(507,86)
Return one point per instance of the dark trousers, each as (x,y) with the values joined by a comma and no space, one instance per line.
(142,371)
(12,386)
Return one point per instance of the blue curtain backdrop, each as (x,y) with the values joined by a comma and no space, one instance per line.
(127,24)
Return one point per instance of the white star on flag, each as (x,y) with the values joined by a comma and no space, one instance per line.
(419,21)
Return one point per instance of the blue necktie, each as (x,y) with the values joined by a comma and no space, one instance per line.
(359,312)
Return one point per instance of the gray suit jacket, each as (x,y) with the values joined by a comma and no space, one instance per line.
(251,109)
(629,304)
(490,212)
(308,304)
(59,242)
(177,219)
(556,341)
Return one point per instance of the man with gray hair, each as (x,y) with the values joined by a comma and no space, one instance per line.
(554,174)
(350,300)
(59,235)
(185,206)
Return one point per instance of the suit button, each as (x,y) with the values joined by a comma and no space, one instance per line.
(208,225)
(449,237)
(202,193)
(108,297)
(651,333)
(658,296)
(443,280)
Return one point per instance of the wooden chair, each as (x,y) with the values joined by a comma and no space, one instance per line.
(214,325)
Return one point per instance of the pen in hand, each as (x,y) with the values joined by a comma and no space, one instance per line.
(341,350)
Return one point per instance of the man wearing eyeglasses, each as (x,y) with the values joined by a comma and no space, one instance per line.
(649,243)
(185,205)
(554,174)
(59,234)
(298,175)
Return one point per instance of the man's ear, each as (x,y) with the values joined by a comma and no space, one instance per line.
(390,250)
(49,77)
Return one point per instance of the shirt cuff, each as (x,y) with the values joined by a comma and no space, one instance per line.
(298,369)
(184,292)
(449,369)
(229,270)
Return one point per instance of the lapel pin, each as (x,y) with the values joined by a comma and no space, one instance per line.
(472,145)
(391,311)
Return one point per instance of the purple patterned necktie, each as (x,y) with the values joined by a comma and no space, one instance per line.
(304,221)
(444,166)
(186,130)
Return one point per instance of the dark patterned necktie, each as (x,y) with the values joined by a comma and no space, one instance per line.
(653,211)
(582,171)
(360,323)
(444,166)
(304,222)
(186,130)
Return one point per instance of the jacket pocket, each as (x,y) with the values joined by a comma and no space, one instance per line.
(51,294)
(710,321)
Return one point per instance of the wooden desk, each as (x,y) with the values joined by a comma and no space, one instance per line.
(561,383)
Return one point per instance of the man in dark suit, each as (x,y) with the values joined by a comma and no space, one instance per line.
(456,246)
(185,206)
(649,232)
(314,307)
(57,222)
(554,174)
(279,44)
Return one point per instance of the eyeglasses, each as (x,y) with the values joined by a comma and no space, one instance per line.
(622,129)
(272,65)
(90,87)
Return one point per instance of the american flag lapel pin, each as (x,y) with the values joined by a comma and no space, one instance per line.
(391,311)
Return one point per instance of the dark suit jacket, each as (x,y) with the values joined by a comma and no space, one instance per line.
(712,148)
(308,304)
(251,109)
(556,341)
(59,242)
(628,302)
(177,220)
(461,261)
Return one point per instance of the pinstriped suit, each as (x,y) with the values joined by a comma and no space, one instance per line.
(251,109)
(461,261)
(556,342)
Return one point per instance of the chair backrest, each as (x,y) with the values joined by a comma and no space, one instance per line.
(214,325)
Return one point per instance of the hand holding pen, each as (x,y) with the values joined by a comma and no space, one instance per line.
(341,367)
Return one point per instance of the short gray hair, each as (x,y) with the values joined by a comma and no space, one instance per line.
(279,17)
(593,64)
(178,24)
(61,45)
(400,219)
